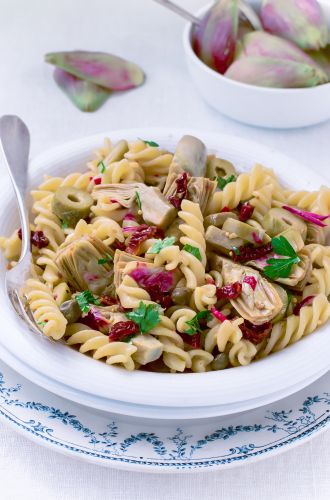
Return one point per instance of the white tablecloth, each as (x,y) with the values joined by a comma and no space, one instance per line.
(146,33)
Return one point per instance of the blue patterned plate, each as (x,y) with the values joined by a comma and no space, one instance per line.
(168,446)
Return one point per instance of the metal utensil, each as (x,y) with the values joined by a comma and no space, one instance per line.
(14,148)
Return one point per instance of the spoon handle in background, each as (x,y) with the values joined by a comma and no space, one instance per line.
(14,150)
(179,10)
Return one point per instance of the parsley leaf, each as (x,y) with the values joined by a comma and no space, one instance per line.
(138,200)
(222,181)
(105,260)
(194,323)
(194,251)
(84,300)
(145,316)
(42,323)
(153,144)
(160,244)
(281,268)
(282,246)
(101,166)
(64,225)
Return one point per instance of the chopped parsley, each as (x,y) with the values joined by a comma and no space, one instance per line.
(194,324)
(101,166)
(84,300)
(160,244)
(194,251)
(281,268)
(42,323)
(138,200)
(105,259)
(223,181)
(152,144)
(64,225)
(236,250)
(145,316)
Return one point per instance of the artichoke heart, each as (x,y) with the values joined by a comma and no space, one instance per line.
(120,265)
(258,305)
(86,263)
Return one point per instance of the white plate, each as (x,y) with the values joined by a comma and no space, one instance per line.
(77,377)
(153,446)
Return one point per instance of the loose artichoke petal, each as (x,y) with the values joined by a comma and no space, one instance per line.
(214,39)
(79,264)
(258,306)
(190,156)
(262,44)
(86,96)
(103,69)
(302,22)
(278,73)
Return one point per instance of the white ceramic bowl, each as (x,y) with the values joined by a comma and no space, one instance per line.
(261,106)
(80,378)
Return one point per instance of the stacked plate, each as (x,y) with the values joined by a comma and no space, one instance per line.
(79,378)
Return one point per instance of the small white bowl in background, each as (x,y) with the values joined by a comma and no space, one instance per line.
(260,106)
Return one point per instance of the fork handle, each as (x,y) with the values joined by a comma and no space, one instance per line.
(14,149)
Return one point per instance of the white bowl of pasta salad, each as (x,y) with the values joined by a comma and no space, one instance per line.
(184,286)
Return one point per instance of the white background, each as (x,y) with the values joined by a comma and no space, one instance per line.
(149,35)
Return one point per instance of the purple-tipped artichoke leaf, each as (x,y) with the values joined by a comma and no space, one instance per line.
(301,21)
(86,96)
(106,70)
(214,39)
(269,72)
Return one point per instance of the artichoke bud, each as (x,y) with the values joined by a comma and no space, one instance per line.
(278,73)
(214,39)
(302,22)
(86,263)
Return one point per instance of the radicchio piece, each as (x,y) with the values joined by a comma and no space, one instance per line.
(38,239)
(256,238)
(181,190)
(308,216)
(231,291)
(217,314)
(250,280)
(142,233)
(95,320)
(307,301)
(249,252)
(245,212)
(122,329)
(255,333)
(157,283)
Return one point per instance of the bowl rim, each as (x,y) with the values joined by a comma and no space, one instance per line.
(80,374)
(186,39)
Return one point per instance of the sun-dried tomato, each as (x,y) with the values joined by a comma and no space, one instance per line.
(225,209)
(157,283)
(118,245)
(193,340)
(245,212)
(249,252)
(37,238)
(122,329)
(305,302)
(142,233)
(181,190)
(231,291)
(107,300)
(255,333)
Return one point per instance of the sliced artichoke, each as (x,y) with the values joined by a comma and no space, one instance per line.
(190,156)
(294,238)
(278,220)
(315,234)
(218,239)
(237,229)
(258,306)
(218,220)
(200,190)
(156,210)
(120,261)
(86,263)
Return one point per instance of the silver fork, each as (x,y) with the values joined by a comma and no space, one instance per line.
(14,148)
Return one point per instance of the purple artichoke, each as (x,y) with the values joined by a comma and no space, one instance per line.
(301,21)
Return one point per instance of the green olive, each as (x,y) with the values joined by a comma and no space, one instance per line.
(71,310)
(218,220)
(181,295)
(71,204)
(220,362)
(216,167)
(237,229)
(278,220)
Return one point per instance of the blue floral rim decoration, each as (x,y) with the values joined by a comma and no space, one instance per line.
(180,450)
